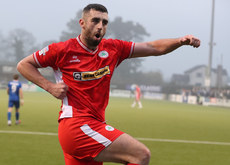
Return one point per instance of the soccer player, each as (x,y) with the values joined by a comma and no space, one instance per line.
(14,90)
(83,67)
(137,93)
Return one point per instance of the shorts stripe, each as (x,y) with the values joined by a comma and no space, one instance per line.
(95,135)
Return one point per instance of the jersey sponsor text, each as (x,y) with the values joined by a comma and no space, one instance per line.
(92,75)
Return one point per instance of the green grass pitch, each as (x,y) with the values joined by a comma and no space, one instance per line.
(157,120)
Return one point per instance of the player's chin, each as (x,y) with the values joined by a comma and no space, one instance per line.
(96,42)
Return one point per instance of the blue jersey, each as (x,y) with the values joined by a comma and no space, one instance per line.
(14,87)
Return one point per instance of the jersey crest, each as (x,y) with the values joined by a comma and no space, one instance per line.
(103,54)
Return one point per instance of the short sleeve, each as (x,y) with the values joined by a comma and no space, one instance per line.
(125,49)
(47,56)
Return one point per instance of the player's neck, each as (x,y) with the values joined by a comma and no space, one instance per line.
(83,40)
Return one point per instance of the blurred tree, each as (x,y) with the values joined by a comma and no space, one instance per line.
(73,28)
(128,31)
(3,48)
(46,43)
(150,78)
(22,43)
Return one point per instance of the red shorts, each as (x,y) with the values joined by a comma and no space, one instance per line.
(83,140)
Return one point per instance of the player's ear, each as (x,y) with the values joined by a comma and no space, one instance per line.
(81,22)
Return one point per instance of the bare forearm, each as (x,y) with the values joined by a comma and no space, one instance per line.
(29,69)
(163,46)
(31,73)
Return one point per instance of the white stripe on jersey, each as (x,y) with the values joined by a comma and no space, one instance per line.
(67,111)
(36,60)
(95,135)
(58,75)
(131,51)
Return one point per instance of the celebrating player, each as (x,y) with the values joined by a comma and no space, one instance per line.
(83,68)
(15,93)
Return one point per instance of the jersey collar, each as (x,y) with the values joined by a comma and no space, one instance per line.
(85,47)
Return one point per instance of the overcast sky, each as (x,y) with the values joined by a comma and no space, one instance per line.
(46,19)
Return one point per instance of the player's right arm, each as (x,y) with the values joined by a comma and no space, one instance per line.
(29,69)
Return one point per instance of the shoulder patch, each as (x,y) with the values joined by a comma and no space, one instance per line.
(43,51)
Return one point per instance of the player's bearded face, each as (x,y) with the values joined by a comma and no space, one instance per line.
(95,27)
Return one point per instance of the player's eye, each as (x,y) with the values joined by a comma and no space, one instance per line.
(105,22)
(96,20)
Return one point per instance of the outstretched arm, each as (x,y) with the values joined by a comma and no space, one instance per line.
(163,46)
(29,69)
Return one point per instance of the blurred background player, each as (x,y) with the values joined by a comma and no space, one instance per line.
(15,93)
(137,98)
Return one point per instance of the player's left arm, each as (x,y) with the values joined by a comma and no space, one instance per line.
(163,46)
(21,96)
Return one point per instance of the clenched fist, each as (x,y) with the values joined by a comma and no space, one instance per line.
(58,90)
(190,40)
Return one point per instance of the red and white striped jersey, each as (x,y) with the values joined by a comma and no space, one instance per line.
(86,72)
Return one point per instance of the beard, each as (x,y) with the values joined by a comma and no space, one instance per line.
(91,41)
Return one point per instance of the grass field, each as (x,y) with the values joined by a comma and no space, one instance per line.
(176,134)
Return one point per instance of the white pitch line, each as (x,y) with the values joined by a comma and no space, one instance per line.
(138,138)
(184,141)
(30,133)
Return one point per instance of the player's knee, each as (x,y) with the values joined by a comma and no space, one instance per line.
(142,157)
(146,155)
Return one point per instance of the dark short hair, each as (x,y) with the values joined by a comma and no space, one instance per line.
(16,76)
(97,7)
